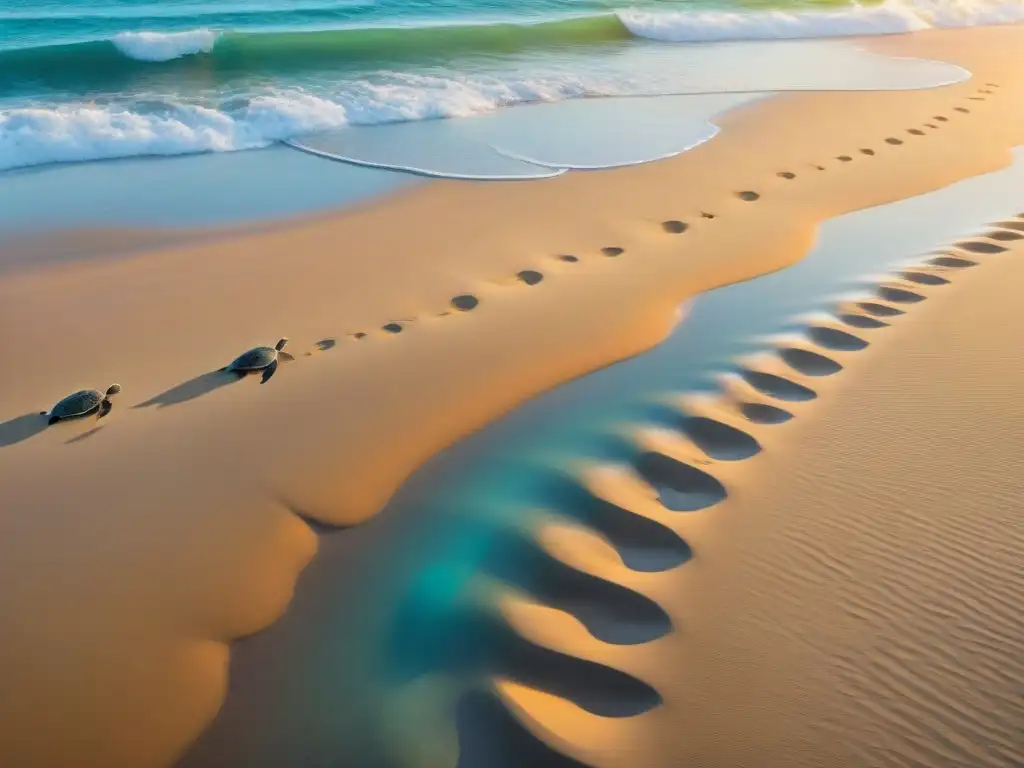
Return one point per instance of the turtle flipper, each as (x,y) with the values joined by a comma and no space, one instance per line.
(269,371)
(53,420)
(105,407)
(239,374)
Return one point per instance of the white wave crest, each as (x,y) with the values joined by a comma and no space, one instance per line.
(72,133)
(151,125)
(36,136)
(891,17)
(164,46)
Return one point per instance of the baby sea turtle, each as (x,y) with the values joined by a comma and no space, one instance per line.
(257,359)
(83,403)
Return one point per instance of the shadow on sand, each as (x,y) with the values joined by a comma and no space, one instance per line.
(21,428)
(83,436)
(191,389)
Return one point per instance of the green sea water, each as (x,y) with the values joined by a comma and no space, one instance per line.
(95,79)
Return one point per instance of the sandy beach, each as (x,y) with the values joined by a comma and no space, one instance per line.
(863,576)
(850,602)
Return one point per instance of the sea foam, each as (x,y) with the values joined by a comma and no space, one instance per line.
(164,46)
(892,17)
(79,132)
(75,133)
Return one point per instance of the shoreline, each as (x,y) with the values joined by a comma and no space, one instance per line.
(554,487)
(505,349)
(222,193)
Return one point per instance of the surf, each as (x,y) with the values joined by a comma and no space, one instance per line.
(235,53)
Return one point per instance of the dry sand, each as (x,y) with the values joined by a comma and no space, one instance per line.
(855,600)
(133,555)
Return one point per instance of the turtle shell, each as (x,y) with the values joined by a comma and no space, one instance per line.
(77,404)
(254,359)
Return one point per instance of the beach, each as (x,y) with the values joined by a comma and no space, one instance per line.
(139,548)
(864,574)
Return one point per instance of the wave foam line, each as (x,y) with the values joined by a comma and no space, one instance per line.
(37,135)
(317,47)
(543,172)
(891,17)
(704,132)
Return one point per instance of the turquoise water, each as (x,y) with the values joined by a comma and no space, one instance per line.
(100,79)
(403,588)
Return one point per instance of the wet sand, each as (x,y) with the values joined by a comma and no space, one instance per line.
(858,601)
(180,524)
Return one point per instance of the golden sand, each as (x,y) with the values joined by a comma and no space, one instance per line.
(858,601)
(135,554)
(854,599)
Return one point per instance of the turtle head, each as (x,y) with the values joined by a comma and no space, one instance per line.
(113,389)
(281,344)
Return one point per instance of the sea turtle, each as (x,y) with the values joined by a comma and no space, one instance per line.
(257,359)
(83,403)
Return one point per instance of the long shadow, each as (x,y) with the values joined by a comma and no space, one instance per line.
(191,389)
(83,436)
(21,428)
(490,737)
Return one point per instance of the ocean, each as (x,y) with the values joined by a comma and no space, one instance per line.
(99,79)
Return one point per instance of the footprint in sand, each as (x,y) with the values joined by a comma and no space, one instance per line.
(612,251)
(465,302)
(941,119)
(879,310)
(833,338)
(762,413)
(776,386)
(786,175)
(568,258)
(915,131)
(1016,226)
(894,141)
(325,344)
(899,295)
(862,321)
(392,328)
(809,363)
(720,441)
(675,227)
(868,152)
(530,276)
(965,110)
(924,278)
(975,246)
(611,612)
(952,262)
(1004,236)
(748,196)
(680,486)
(844,159)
